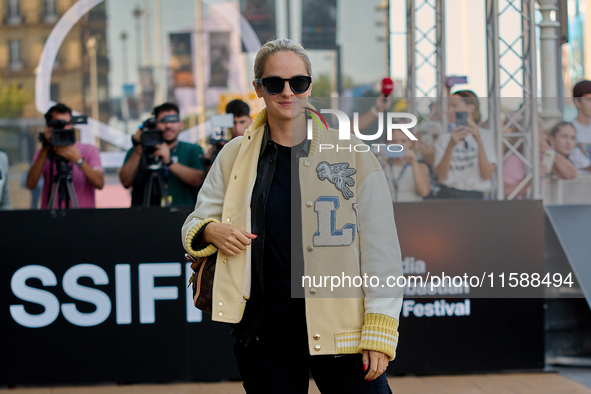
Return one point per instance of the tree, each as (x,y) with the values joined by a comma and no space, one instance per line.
(322,86)
(13,98)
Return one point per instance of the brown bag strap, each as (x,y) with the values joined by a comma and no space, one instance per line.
(195,263)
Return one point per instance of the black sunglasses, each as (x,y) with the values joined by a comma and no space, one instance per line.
(274,85)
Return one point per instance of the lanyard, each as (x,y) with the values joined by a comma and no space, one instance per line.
(397,179)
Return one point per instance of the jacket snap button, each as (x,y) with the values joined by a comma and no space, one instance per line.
(310,248)
(220,303)
(224,261)
(220,313)
(316,336)
(309,204)
(312,291)
(228,220)
(307,163)
(317,348)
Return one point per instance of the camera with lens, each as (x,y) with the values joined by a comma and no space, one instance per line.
(65,137)
(218,141)
(151,136)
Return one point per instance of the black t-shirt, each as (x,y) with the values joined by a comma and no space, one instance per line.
(277,248)
(282,214)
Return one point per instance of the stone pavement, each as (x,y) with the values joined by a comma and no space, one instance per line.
(497,383)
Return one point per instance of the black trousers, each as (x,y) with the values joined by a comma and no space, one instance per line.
(279,363)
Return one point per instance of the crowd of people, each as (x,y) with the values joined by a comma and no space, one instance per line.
(170,172)
(461,163)
(457,163)
(243,201)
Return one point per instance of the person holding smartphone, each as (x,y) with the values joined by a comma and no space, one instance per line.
(465,158)
(408,179)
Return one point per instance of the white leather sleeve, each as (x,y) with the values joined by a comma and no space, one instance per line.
(211,196)
(380,254)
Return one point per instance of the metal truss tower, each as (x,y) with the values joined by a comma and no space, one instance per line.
(512,66)
(426,55)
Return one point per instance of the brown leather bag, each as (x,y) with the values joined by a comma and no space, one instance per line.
(202,280)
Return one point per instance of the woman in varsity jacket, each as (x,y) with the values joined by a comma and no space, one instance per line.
(283,214)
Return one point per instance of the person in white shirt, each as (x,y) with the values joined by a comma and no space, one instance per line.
(581,154)
(465,158)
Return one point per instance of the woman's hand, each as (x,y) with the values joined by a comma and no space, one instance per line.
(383,104)
(376,362)
(428,153)
(410,156)
(230,240)
(458,134)
(473,129)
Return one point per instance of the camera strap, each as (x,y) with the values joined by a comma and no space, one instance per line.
(395,180)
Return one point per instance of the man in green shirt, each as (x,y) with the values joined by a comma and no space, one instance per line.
(182,172)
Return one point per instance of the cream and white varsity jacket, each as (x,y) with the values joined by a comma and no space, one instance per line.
(348,230)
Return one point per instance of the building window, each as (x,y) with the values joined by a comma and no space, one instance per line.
(50,15)
(13,12)
(14,55)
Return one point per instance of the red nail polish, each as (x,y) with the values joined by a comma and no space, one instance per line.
(364,367)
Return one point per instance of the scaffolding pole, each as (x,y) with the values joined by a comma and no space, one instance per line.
(515,126)
(426,57)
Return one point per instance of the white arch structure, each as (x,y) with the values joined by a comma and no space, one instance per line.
(55,40)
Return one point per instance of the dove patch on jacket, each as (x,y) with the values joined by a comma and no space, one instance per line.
(339,175)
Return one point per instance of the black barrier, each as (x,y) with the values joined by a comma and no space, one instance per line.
(136,326)
(475,334)
(100,296)
(571,224)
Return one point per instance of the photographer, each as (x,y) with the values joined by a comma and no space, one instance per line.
(242,121)
(182,170)
(82,160)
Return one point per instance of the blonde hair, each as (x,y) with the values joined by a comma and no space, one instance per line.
(280,45)
(470,98)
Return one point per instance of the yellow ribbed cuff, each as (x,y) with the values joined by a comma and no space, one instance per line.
(379,332)
(207,251)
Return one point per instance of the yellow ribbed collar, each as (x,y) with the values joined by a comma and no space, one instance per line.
(318,132)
